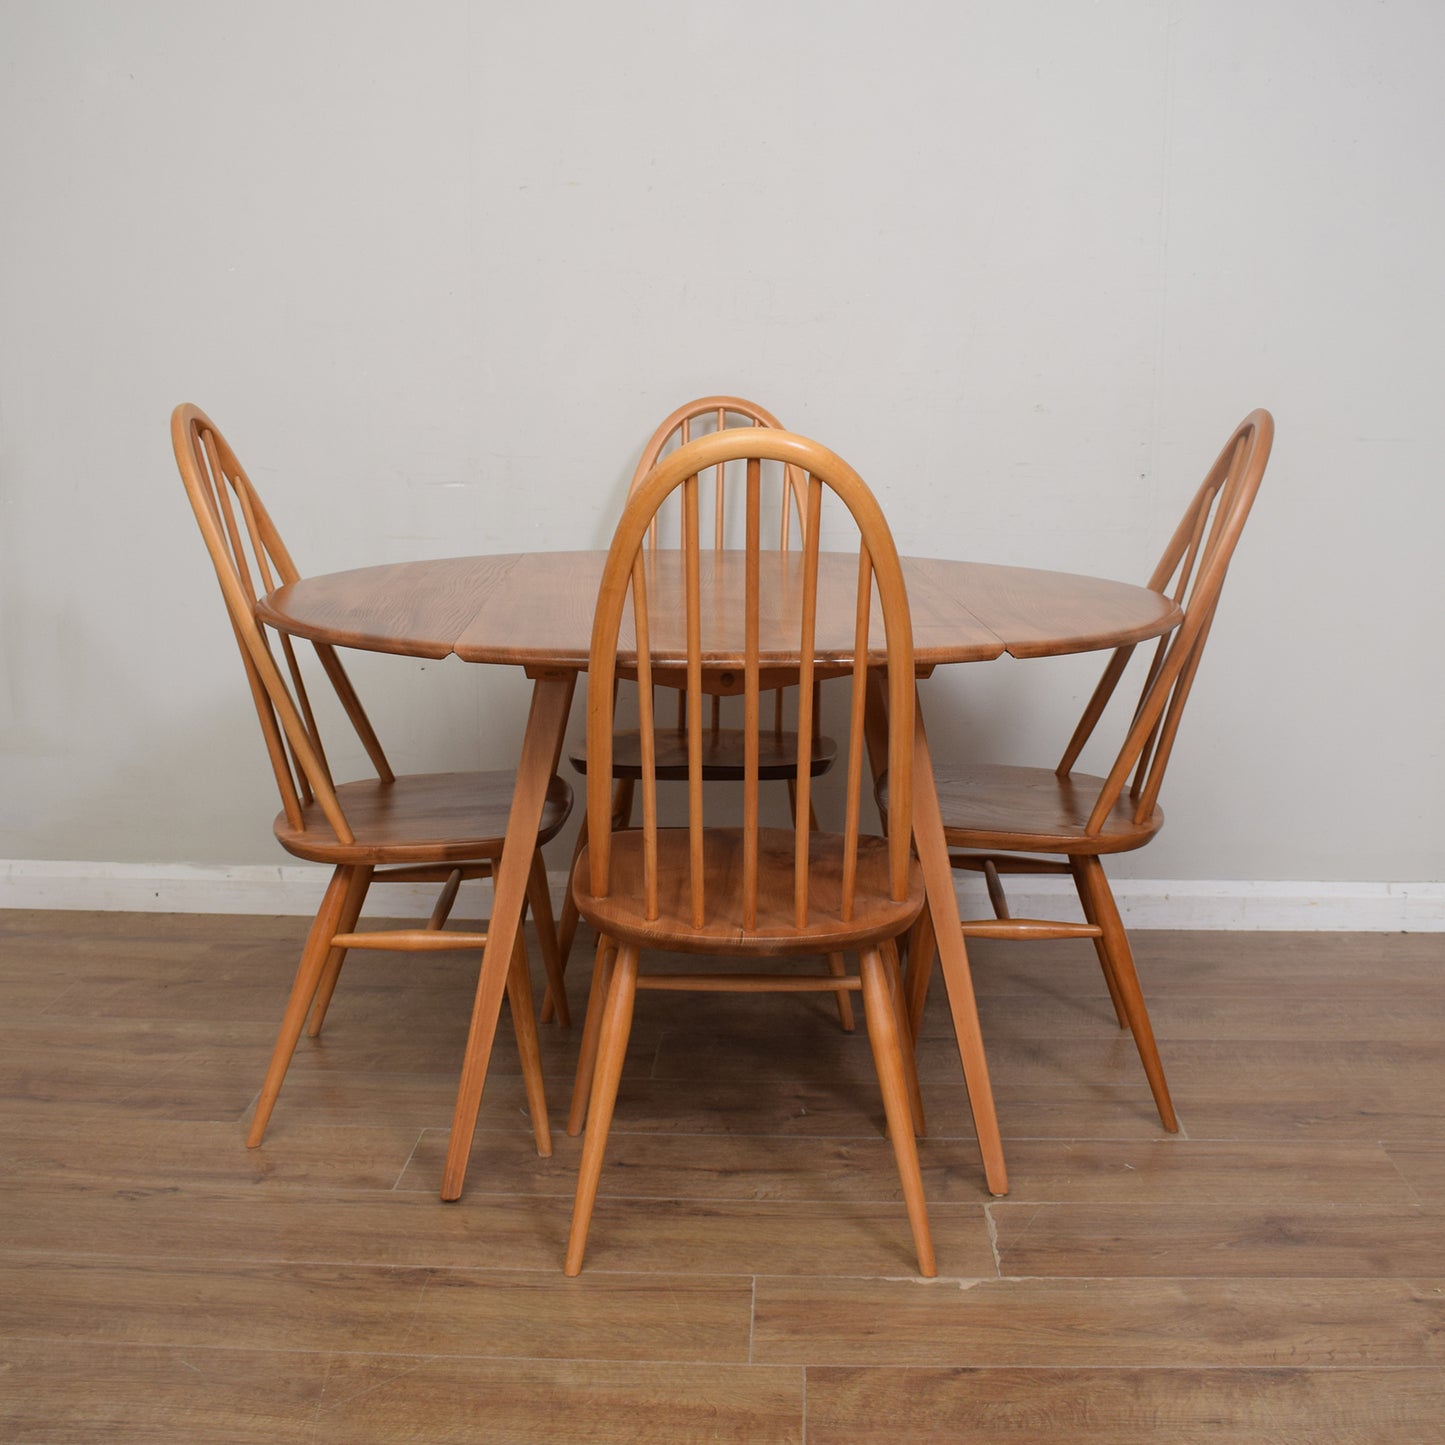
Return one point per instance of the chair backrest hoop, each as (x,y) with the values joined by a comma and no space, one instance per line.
(625,581)
(250,559)
(1192,570)
(725,412)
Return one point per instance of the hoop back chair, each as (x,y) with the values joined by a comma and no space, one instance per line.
(722,746)
(434,827)
(996,816)
(752,892)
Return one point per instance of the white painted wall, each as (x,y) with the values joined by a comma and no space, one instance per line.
(437,270)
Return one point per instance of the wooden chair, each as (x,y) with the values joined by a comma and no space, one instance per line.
(997,817)
(434,827)
(722,746)
(751,892)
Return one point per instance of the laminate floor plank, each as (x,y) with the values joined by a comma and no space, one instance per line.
(62,1394)
(120,1149)
(1102,1323)
(1423,1168)
(1414,1012)
(542,1402)
(57,1393)
(714,1167)
(1126,1407)
(818,1238)
(1238,1240)
(361,1227)
(1170,1170)
(408,1311)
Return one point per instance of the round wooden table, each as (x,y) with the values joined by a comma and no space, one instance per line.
(534,610)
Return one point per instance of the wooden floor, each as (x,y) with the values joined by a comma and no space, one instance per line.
(1276,1273)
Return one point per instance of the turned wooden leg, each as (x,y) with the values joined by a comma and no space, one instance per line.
(591,1028)
(1101,949)
(882,1022)
(1121,960)
(303,990)
(616,1025)
(345,923)
(524,1022)
(920,969)
(906,1039)
(539,899)
(839,969)
(567,920)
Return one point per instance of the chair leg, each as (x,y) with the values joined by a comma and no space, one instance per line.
(524,1023)
(591,1027)
(997,898)
(1121,959)
(839,969)
(446,901)
(892,1080)
(539,897)
(298,1005)
(1100,947)
(906,1040)
(615,1028)
(920,969)
(566,922)
(346,923)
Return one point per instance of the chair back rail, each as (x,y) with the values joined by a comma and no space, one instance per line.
(725,412)
(1191,570)
(250,560)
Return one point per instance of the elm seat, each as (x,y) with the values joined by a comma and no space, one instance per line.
(1036,810)
(420,818)
(775,931)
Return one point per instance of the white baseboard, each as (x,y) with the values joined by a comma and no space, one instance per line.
(1230,904)
(192,888)
(1144,903)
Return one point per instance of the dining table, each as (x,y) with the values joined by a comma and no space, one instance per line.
(533,610)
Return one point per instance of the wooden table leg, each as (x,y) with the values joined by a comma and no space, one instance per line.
(929,843)
(541,749)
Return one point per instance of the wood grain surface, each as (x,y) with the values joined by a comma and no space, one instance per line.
(535,609)
(1273,1274)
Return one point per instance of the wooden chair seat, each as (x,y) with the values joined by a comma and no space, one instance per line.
(420,818)
(722,755)
(1026,810)
(623,913)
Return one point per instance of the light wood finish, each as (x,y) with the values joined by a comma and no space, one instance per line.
(723,747)
(159,1282)
(442,827)
(534,610)
(536,771)
(748,891)
(994,814)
